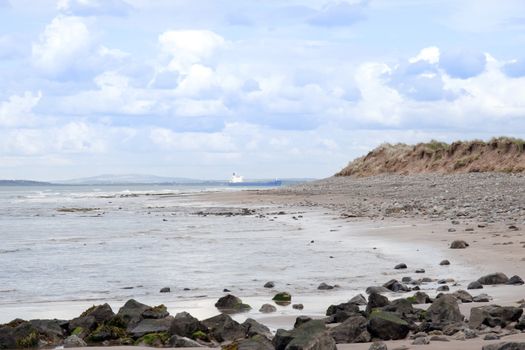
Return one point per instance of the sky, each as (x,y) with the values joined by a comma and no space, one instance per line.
(265,88)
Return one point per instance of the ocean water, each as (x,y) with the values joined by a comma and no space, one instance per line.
(63,249)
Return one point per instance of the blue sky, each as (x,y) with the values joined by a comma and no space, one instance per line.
(266,88)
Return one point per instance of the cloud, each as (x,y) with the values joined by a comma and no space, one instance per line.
(64,42)
(463,64)
(515,68)
(429,55)
(336,14)
(191,141)
(94,7)
(17,110)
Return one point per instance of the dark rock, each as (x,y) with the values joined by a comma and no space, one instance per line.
(444,288)
(376,301)
(298,306)
(521,323)
(18,334)
(101,313)
(253,328)
(267,308)
(74,341)
(254,343)
(406,279)
(402,307)
(491,336)
(420,271)
(482,298)
(395,286)
(444,310)
(185,325)
(378,346)
(223,328)
(358,300)
(150,325)
(282,297)
(459,244)
(157,312)
(376,289)
(493,315)
(50,330)
(353,330)
(165,290)
(505,346)
(269,284)
(300,320)
(309,336)
(387,326)
(463,295)
(444,262)
(400,266)
(231,303)
(104,333)
(474,285)
(515,280)
(494,278)
(177,341)
(339,313)
(420,298)
(324,286)
(421,341)
(131,312)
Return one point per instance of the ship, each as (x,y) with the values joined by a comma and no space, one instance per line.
(238,180)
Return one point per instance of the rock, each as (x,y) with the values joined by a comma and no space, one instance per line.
(151,325)
(254,328)
(474,285)
(420,298)
(353,330)
(185,325)
(444,263)
(493,315)
(420,271)
(521,323)
(283,297)
(421,341)
(51,330)
(482,298)
(300,320)
(358,300)
(376,289)
(298,306)
(267,308)
(101,313)
(106,332)
(494,278)
(444,310)
(131,312)
(376,301)
(324,286)
(515,280)
(459,244)
(395,286)
(165,290)
(269,284)
(339,313)
(491,336)
(438,338)
(176,341)
(402,307)
(223,328)
(156,312)
(505,346)
(444,288)
(406,279)
(311,335)
(378,346)
(387,326)
(400,266)
(231,303)
(254,343)
(463,295)
(74,341)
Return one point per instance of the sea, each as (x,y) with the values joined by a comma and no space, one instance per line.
(65,248)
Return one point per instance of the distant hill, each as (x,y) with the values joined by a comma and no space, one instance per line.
(503,154)
(109,179)
(23,183)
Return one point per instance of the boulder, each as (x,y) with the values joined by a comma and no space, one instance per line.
(339,313)
(151,325)
(267,308)
(18,334)
(131,312)
(463,295)
(420,271)
(157,312)
(300,320)
(458,244)
(231,303)
(106,332)
(74,341)
(444,310)
(91,318)
(444,262)
(311,335)
(444,288)
(282,297)
(184,325)
(395,286)
(253,328)
(223,328)
(376,301)
(50,330)
(353,330)
(474,285)
(101,313)
(515,280)
(378,345)
(177,341)
(494,315)
(298,306)
(324,286)
(400,266)
(387,326)
(420,298)
(376,289)
(505,346)
(255,343)
(269,284)
(165,290)
(494,278)
(402,307)
(482,298)
(358,300)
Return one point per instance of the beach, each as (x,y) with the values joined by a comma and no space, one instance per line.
(347,233)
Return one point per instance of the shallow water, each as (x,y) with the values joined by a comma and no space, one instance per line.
(129,242)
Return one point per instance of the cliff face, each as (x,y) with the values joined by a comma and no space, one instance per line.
(501,154)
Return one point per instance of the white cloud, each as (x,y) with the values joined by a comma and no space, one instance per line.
(94,7)
(428,54)
(63,42)
(192,141)
(17,110)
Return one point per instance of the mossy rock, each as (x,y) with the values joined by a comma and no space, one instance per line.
(117,321)
(106,332)
(387,316)
(77,331)
(29,341)
(283,297)
(88,311)
(412,300)
(199,335)
(154,339)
